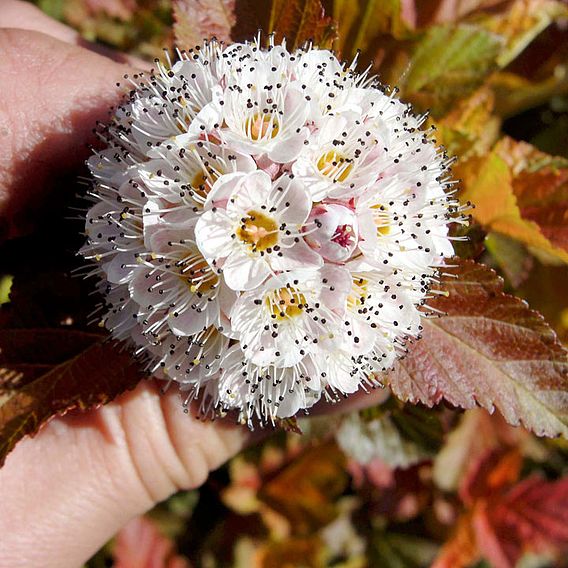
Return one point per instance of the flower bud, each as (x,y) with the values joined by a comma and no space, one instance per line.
(332,231)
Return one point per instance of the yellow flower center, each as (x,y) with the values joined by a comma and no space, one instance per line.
(333,165)
(198,276)
(382,219)
(202,182)
(358,293)
(285,303)
(258,231)
(261,125)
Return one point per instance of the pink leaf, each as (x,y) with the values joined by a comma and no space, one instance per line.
(196,20)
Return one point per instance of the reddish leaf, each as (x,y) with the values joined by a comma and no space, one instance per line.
(533,516)
(26,354)
(95,376)
(504,519)
(489,350)
(301,20)
(477,434)
(495,471)
(140,545)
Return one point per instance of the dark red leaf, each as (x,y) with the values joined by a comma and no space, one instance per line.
(95,376)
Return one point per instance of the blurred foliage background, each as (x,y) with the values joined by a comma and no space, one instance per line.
(413,487)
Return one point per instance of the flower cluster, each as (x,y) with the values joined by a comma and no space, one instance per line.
(266,225)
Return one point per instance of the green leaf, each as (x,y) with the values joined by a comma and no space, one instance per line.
(5,287)
(449,63)
(511,256)
(396,550)
(489,349)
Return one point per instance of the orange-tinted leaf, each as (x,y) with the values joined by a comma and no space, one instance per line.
(531,517)
(301,20)
(304,491)
(489,350)
(93,377)
(540,184)
(307,552)
(461,549)
(140,545)
(470,127)
(492,183)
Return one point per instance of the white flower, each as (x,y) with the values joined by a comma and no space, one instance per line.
(378,438)
(341,158)
(193,359)
(182,173)
(291,315)
(253,228)
(266,226)
(264,391)
(177,280)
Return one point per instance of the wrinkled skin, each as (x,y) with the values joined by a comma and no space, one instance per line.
(69,489)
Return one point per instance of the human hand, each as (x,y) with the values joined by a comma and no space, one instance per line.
(68,490)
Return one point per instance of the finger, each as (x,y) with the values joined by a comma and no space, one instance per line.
(25,16)
(86,476)
(51,95)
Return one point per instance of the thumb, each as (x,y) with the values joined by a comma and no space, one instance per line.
(68,490)
(51,95)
